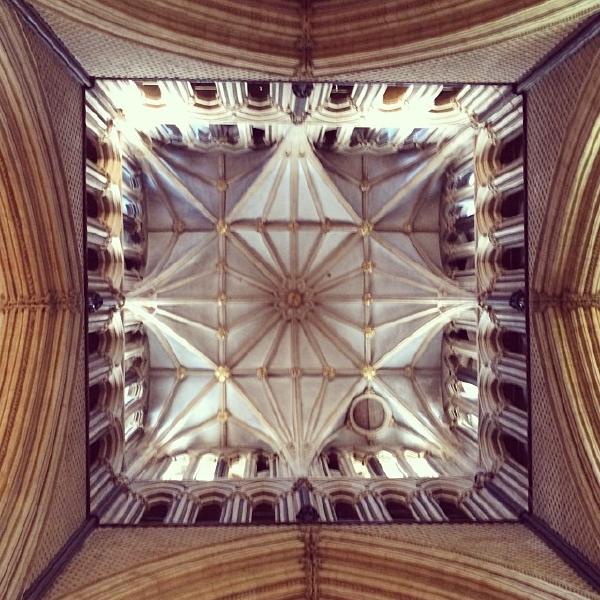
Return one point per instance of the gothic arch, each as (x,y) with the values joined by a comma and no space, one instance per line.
(271,564)
(565,279)
(272,48)
(40,291)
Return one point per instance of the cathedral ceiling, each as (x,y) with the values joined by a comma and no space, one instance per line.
(293,294)
(24,515)
(478,40)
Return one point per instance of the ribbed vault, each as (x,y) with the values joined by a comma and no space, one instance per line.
(283,286)
(28,233)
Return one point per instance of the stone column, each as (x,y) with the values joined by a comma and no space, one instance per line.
(237,509)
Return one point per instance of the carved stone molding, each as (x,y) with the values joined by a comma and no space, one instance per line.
(310,537)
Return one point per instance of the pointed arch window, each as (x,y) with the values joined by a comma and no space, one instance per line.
(133,423)
(345,511)
(419,464)
(207,465)
(451,510)
(155,513)
(177,467)
(262,466)
(360,468)
(209,513)
(333,463)
(389,464)
(237,467)
(398,511)
(263,512)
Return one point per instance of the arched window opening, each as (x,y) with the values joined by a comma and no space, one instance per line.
(258,136)
(155,513)
(94,394)
(513,258)
(207,465)
(228,134)
(345,511)
(511,150)
(445,96)
(333,463)
(237,467)
(91,149)
(151,91)
(209,513)
(466,208)
(467,178)
(133,423)
(360,468)
(205,92)
(258,91)
(177,467)
(513,341)
(135,438)
(516,449)
(93,260)
(95,450)
(419,464)
(340,94)
(126,175)
(91,204)
(393,94)
(459,334)
(131,376)
(398,511)
(375,467)
(514,394)
(512,205)
(263,512)
(467,375)
(469,390)
(93,342)
(134,182)
(359,135)
(468,420)
(133,337)
(174,134)
(262,465)
(129,225)
(130,208)
(329,138)
(451,510)
(389,464)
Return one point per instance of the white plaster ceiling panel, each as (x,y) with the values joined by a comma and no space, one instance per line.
(281,284)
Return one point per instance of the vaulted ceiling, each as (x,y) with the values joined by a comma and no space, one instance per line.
(34,502)
(294,297)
